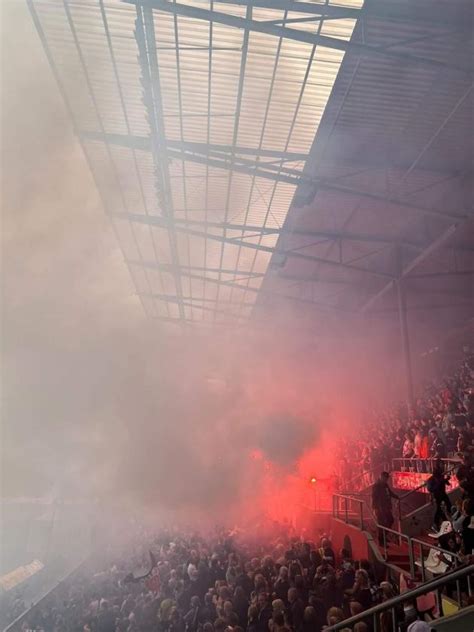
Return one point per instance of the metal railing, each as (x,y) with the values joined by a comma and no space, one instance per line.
(391,605)
(422,466)
(423,546)
(350,506)
(355,511)
(413,544)
(364,479)
(401,499)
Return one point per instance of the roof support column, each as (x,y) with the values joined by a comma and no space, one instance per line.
(405,339)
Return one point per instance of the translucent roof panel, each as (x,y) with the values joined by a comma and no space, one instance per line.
(196,119)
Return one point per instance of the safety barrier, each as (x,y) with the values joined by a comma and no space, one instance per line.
(422,466)
(414,544)
(392,605)
(346,505)
(353,510)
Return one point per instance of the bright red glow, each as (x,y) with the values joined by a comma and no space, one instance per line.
(256,455)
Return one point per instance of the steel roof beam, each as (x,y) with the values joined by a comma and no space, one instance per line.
(410,308)
(165,223)
(169,319)
(228,149)
(148,61)
(446,234)
(172,299)
(270,172)
(435,245)
(406,12)
(188,302)
(329,186)
(435,275)
(220,158)
(296,177)
(323,10)
(439,130)
(305,37)
(235,133)
(216,270)
(328,235)
(222,152)
(232,284)
(244,274)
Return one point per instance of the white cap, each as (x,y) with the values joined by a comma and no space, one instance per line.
(419,626)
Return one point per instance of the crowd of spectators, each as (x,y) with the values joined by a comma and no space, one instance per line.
(440,426)
(219,585)
(229,584)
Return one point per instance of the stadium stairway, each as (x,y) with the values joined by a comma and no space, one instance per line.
(413,554)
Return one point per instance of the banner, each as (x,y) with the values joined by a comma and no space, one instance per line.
(20,574)
(411,480)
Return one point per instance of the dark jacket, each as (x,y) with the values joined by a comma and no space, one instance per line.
(264,617)
(382,496)
(436,485)
(438,449)
(296,614)
(282,586)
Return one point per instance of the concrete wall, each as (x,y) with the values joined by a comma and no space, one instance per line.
(359,539)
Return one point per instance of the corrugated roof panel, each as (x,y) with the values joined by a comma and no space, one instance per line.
(142,74)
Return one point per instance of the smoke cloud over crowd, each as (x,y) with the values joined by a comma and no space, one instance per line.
(100,402)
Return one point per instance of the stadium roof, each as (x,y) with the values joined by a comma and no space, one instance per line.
(258,153)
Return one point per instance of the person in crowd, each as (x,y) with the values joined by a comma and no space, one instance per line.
(282,584)
(192,619)
(264,611)
(465,526)
(252,617)
(279,624)
(382,504)
(408,449)
(335,615)
(421,448)
(437,446)
(326,552)
(387,624)
(295,610)
(360,591)
(309,619)
(465,475)
(209,611)
(346,572)
(240,604)
(106,618)
(436,485)
(355,608)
